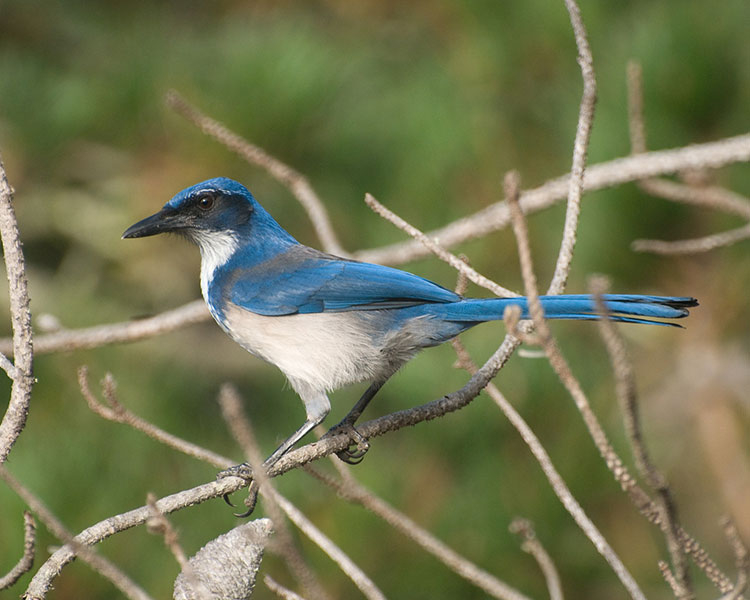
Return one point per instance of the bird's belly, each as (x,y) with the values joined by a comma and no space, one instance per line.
(321,350)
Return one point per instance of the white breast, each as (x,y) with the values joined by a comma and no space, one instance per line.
(321,350)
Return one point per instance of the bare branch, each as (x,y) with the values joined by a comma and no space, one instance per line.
(26,561)
(580,150)
(712,197)
(636,120)
(360,579)
(453,260)
(553,476)
(740,559)
(695,246)
(641,500)
(116,412)
(670,578)
(568,380)
(603,175)
(20,315)
(115,333)
(627,397)
(351,490)
(158,524)
(280,590)
(100,564)
(533,546)
(283,173)
(77,546)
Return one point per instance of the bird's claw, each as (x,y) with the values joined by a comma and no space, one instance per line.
(250,501)
(349,456)
(243,471)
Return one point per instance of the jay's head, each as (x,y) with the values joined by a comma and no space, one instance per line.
(215,206)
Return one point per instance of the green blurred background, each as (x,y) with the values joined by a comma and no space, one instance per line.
(425,105)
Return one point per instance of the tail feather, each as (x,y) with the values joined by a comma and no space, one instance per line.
(625,308)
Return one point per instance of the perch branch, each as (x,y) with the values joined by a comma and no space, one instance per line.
(296,458)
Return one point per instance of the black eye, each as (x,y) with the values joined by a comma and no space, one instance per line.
(206,201)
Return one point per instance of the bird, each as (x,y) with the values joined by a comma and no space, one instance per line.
(326,321)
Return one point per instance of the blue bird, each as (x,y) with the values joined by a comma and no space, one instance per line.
(326,321)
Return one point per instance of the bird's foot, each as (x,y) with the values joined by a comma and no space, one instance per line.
(243,471)
(351,456)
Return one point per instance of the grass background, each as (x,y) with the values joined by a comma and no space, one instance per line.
(425,105)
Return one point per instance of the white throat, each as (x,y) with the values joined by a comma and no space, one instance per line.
(216,249)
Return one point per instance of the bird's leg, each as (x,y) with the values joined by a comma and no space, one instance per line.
(317,410)
(346,425)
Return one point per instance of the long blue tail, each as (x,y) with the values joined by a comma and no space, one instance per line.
(625,308)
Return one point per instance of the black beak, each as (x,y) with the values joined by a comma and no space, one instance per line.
(162,222)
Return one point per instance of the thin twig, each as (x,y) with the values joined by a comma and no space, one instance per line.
(740,559)
(533,546)
(694,246)
(283,173)
(636,120)
(627,397)
(351,490)
(26,561)
(116,333)
(20,315)
(76,547)
(7,366)
(280,590)
(670,578)
(115,411)
(580,150)
(159,524)
(712,197)
(603,175)
(360,579)
(566,377)
(438,250)
(639,497)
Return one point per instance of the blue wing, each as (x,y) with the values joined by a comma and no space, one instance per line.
(304,280)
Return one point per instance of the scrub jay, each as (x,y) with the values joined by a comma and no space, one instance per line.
(327,321)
